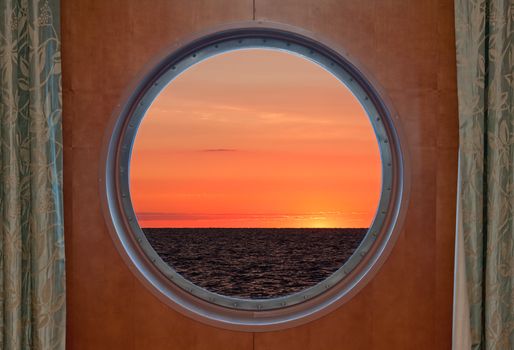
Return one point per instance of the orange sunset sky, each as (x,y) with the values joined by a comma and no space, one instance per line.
(255,138)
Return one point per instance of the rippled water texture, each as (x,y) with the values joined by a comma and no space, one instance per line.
(255,263)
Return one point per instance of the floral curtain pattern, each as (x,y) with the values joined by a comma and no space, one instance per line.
(485,222)
(32,284)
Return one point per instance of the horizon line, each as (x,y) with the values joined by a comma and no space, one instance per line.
(260,228)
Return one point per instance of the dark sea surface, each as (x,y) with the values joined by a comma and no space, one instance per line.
(255,263)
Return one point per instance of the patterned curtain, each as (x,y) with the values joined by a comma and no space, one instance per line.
(32,284)
(484,293)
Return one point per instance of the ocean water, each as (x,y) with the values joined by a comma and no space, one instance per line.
(255,263)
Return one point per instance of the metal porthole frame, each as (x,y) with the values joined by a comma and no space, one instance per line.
(226,311)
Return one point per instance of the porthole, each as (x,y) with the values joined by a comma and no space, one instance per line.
(254,179)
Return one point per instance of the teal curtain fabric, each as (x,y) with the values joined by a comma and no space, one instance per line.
(32,276)
(485,62)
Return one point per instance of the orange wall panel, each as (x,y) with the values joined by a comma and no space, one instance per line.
(407,46)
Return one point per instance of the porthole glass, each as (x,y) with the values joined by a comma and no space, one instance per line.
(254,171)
(255,174)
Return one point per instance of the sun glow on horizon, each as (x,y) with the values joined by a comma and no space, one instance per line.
(255,138)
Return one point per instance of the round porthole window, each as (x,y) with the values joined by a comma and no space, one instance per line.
(254,179)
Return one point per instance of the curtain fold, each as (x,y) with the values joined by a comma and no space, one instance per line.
(484,294)
(32,275)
